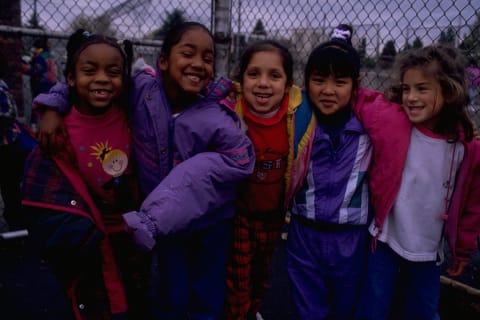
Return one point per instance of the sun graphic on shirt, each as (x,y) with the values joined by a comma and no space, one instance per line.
(114,161)
(101,149)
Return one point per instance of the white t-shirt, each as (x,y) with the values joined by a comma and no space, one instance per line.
(414,227)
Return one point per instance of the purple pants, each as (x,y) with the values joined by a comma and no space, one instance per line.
(326,266)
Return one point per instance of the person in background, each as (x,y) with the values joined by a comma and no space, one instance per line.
(139,65)
(330,210)
(424,182)
(266,105)
(15,144)
(191,156)
(43,70)
(74,200)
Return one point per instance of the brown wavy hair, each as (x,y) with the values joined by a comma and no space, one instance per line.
(447,65)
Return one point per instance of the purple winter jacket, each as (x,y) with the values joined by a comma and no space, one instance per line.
(189,166)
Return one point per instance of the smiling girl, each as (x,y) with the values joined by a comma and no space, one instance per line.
(266,105)
(74,201)
(425,183)
(327,239)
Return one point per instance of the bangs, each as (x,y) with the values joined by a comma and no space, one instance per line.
(333,61)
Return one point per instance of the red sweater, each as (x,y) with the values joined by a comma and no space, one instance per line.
(264,189)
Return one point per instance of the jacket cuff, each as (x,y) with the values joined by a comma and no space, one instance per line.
(142,228)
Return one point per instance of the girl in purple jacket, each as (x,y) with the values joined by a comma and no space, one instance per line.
(191,154)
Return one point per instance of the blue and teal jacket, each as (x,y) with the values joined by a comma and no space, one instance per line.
(329,181)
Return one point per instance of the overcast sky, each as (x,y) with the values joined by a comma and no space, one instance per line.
(397,19)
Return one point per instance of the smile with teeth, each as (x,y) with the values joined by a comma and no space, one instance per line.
(262,95)
(100,92)
(194,78)
(262,98)
(415,108)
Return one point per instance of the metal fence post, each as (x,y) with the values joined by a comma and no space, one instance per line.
(221,16)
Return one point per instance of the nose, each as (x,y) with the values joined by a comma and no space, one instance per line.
(102,76)
(329,88)
(197,62)
(263,80)
(410,95)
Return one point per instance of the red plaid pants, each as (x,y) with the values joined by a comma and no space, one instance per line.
(254,240)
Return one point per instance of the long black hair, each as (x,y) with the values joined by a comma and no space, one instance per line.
(335,57)
(175,34)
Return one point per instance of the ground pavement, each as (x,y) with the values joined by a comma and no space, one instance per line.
(460,296)
(24,277)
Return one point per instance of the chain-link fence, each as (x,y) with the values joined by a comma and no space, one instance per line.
(382,28)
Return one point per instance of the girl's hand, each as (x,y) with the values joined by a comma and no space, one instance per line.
(476,134)
(457,268)
(52,135)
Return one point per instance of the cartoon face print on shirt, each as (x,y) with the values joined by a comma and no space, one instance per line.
(114,162)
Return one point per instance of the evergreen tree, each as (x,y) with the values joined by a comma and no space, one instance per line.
(259,28)
(471,44)
(417,43)
(389,49)
(447,36)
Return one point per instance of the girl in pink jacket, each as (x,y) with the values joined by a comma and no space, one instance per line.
(425,183)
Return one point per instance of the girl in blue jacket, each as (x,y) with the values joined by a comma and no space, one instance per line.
(327,240)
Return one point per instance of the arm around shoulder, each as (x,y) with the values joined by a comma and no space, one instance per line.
(57,99)
(197,186)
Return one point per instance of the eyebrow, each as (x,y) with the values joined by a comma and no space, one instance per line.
(422,84)
(93,63)
(416,84)
(192,46)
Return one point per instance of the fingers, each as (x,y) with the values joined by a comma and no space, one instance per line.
(45,143)
(52,143)
(457,268)
(52,133)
